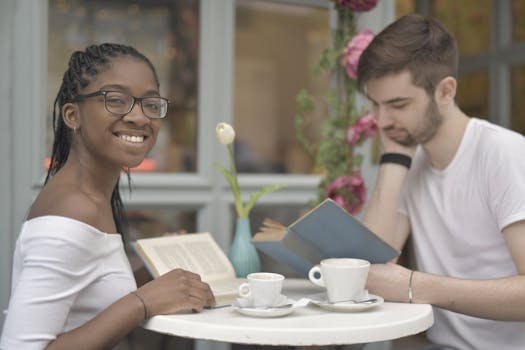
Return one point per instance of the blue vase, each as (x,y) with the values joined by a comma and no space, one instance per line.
(243,254)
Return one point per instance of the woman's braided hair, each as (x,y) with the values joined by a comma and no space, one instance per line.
(82,67)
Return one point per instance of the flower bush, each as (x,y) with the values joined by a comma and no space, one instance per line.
(354,49)
(346,126)
(226,135)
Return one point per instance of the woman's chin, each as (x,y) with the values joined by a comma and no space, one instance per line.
(133,163)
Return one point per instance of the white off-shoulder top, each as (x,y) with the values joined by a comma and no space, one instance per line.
(65,272)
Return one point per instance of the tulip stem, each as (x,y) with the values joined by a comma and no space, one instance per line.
(235,185)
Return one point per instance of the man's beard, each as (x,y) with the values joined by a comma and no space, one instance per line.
(426,131)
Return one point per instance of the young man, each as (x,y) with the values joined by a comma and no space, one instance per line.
(457,184)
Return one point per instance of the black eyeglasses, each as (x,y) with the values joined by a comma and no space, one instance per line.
(120,103)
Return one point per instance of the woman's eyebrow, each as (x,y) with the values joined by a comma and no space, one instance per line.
(123,88)
(117,87)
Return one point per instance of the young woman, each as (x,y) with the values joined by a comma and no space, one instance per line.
(72,285)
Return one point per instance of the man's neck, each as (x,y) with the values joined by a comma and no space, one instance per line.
(444,145)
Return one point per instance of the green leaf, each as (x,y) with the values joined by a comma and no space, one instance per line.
(231,181)
(256,195)
(332,99)
(304,100)
(227,175)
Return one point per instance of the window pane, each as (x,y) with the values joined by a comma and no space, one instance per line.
(473,94)
(469,20)
(275,47)
(152,222)
(405,7)
(166,31)
(518,102)
(518,14)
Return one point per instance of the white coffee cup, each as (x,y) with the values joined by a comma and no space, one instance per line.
(263,288)
(343,278)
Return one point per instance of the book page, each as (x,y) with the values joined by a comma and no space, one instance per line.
(197,252)
(270,230)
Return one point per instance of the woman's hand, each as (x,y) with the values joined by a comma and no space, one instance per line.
(176,291)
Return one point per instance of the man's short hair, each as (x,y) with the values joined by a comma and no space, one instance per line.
(420,45)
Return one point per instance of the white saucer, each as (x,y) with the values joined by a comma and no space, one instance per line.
(243,305)
(321,300)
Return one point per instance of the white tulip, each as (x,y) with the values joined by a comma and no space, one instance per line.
(225,133)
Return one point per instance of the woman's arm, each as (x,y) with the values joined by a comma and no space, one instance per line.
(176,291)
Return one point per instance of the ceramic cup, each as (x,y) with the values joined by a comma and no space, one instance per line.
(263,288)
(343,278)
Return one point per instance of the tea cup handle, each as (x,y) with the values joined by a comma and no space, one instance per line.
(311,275)
(245,290)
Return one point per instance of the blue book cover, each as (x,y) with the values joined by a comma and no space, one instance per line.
(326,231)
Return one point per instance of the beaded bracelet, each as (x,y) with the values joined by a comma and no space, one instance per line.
(146,313)
(410,287)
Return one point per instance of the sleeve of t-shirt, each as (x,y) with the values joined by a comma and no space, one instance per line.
(506,181)
(53,271)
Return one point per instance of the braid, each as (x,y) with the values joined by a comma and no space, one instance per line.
(82,67)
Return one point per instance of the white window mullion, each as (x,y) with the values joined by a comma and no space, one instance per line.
(217,21)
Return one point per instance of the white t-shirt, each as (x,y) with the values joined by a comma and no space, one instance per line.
(65,272)
(457,215)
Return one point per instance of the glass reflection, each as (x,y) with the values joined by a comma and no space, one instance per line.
(518,102)
(153,222)
(405,7)
(468,20)
(166,31)
(518,24)
(473,94)
(275,47)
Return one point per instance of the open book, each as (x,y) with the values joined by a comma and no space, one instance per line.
(195,252)
(326,231)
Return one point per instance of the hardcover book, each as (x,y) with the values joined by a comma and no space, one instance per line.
(326,231)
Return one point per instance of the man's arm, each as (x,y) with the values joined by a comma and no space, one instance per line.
(382,216)
(498,299)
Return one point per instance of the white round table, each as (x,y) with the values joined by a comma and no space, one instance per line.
(305,326)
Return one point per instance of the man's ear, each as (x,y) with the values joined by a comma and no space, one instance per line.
(70,115)
(446,90)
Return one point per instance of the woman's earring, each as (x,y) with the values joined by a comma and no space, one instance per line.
(75,129)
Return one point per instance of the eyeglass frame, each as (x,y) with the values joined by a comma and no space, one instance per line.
(135,99)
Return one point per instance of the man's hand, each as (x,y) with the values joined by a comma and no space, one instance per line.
(391,146)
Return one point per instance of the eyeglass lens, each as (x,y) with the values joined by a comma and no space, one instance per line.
(120,103)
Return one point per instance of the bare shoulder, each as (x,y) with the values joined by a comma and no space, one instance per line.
(68,201)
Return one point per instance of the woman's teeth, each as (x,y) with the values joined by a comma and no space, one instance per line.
(135,139)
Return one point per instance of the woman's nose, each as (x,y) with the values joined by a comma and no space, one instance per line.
(136,115)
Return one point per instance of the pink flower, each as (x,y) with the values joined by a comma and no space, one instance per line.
(364,128)
(354,49)
(358,5)
(348,192)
